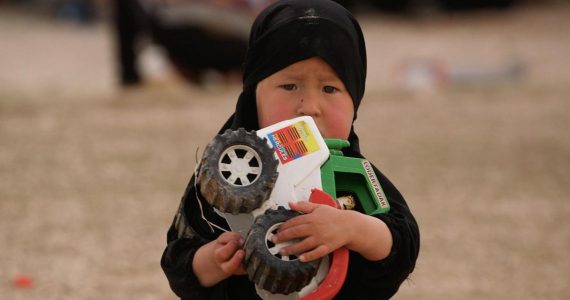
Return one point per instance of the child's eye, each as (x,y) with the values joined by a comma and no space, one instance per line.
(289,87)
(329,89)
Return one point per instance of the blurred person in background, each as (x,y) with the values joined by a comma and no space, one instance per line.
(197,36)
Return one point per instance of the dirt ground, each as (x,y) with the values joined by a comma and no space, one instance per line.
(91,175)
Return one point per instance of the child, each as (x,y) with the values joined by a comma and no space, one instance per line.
(305,57)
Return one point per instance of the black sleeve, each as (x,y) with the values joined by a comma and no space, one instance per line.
(188,232)
(382,279)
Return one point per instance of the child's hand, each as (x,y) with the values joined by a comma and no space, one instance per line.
(322,229)
(228,254)
(219,259)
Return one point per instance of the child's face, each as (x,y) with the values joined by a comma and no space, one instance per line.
(306,88)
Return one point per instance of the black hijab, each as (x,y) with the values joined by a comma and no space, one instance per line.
(290,31)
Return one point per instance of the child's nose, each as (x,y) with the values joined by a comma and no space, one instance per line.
(309,105)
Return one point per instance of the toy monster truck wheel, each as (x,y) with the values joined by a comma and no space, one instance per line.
(267,268)
(237,172)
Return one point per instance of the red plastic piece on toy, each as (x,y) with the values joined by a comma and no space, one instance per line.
(23,282)
(339,261)
(320,197)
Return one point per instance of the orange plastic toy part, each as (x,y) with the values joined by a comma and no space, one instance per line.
(339,262)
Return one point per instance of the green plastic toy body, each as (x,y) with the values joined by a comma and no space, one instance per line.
(349,175)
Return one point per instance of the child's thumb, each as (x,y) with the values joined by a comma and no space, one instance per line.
(303,206)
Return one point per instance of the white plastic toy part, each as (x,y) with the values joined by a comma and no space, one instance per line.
(301,151)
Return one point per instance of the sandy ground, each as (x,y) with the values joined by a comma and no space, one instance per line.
(90,176)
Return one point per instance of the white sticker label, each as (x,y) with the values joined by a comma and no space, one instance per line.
(380,196)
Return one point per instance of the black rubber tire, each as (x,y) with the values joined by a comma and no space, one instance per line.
(274,273)
(254,167)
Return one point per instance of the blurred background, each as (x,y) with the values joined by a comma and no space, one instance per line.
(106,105)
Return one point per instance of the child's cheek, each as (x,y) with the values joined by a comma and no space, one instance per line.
(338,125)
(271,116)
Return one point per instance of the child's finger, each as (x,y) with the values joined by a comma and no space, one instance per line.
(304,245)
(226,251)
(303,206)
(293,232)
(316,253)
(293,222)
(226,237)
(233,266)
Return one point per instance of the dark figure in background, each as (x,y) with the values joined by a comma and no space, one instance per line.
(82,11)
(197,36)
(128,24)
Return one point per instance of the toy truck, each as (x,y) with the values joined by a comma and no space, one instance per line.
(249,177)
